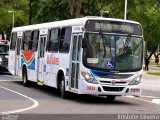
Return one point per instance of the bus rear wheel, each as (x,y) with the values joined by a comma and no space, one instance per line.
(25,79)
(110,97)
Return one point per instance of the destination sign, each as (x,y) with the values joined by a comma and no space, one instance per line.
(113,27)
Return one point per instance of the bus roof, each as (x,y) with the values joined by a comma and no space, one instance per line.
(69,22)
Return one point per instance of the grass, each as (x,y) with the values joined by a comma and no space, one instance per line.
(152,62)
(154,73)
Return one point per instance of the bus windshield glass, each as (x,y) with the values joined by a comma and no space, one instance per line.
(113,52)
(4,49)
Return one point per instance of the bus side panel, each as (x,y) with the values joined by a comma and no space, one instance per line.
(55,62)
(64,62)
(50,69)
(11,62)
(28,58)
(47,72)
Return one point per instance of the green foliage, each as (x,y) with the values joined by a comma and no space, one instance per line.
(5,18)
(152,25)
(49,10)
(115,8)
(18,6)
(38,11)
(147,13)
(154,73)
(93,7)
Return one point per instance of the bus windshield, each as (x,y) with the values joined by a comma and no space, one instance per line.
(4,49)
(113,52)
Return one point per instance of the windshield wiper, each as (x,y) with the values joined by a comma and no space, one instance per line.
(105,40)
(127,41)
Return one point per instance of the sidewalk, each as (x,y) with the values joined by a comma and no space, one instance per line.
(154,68)
(151,82)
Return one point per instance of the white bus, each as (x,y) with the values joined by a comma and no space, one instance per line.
(90,55)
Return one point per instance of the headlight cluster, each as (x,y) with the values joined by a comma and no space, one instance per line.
(88,77)
(0,60)
(136,80)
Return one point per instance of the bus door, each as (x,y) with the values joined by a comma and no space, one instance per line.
(14,53)
(40,63)
(76,47)
(18,56)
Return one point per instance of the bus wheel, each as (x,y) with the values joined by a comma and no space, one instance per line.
(110,97)
(25,79)
(62,88)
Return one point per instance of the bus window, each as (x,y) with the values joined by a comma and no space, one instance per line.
(34,41)
(65,39)
(53,40)
(26,40)
(13,41)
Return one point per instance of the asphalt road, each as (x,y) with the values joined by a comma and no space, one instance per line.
(38,101)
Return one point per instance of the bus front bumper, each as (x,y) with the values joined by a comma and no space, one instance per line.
(104,90)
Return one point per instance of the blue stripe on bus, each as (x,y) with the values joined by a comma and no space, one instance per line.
(31,65)
(100,73)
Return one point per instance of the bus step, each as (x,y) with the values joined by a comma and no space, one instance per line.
(40,83)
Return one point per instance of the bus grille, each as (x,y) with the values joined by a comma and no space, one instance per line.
(116,76)
(4,63)
(117,82)
(114,89)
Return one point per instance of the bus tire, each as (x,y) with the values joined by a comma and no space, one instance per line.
(110,97)
(63,93)
(25,81)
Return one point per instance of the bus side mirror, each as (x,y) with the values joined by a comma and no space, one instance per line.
(84,43)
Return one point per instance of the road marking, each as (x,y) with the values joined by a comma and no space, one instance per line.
(150,97)
(156,101)
(151,86)
(35,103)
(130,96)
(140,99)
(9,80)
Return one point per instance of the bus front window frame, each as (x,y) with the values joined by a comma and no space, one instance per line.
(113,51)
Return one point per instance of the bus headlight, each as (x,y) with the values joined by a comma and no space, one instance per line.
(88,77)
(0,60)
(136,80)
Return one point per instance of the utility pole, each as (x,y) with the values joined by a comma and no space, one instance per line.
(125,10)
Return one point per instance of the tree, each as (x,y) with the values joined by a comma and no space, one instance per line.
(39,11)
(93,7)
(147,13)
(74,8)
(20,11)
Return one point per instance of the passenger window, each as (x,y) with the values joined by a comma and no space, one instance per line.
(33,45)
(26,41)
(53,40)
(13,41)
(65,39)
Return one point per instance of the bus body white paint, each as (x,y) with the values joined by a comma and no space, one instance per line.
(35,103)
